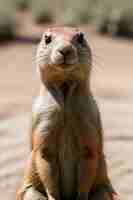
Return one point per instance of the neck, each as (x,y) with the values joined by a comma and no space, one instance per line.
(64,93)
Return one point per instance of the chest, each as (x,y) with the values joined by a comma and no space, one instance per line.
(67,129)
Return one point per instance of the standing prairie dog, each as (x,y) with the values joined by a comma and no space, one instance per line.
(67,160)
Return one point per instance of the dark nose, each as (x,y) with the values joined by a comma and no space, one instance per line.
(67,51)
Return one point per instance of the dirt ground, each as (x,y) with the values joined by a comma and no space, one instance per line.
(113,89)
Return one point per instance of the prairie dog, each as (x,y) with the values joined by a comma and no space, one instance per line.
(67,159)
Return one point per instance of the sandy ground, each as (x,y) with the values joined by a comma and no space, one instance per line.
(112,87)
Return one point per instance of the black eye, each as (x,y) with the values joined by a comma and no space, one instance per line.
(80,38)
(48,39)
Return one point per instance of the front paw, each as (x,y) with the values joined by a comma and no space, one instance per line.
(115,197)
(103,194)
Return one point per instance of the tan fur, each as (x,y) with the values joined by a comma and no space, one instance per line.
(67,159)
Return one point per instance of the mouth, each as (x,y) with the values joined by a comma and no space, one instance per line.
(65,68)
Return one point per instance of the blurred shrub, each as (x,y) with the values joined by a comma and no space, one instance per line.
(41,11)
(116,18)
(107,22)
(125,23)
(77,12)
(22,4)
(7,21)
(113,16)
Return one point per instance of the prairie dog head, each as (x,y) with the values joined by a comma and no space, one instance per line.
(63,55)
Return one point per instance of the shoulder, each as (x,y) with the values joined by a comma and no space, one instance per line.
(94,109)
(43,103)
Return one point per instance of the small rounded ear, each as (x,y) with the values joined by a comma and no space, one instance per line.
(80,37)
(47,32)
(47,37)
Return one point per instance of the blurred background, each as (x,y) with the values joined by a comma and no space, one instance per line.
(109,27)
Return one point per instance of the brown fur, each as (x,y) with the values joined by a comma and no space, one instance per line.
(67,159)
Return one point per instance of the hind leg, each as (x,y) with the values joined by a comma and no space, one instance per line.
(32,187)
(30,194)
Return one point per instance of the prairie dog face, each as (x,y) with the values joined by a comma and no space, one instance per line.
(63,53)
